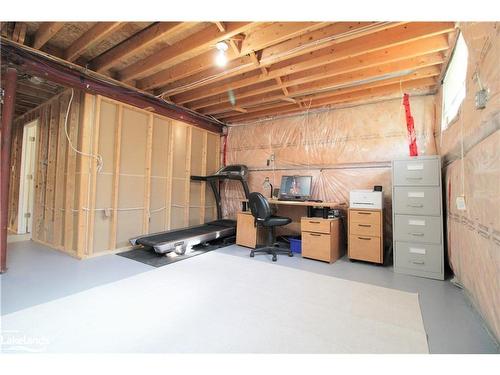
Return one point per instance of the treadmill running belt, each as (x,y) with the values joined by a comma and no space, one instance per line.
(180,234)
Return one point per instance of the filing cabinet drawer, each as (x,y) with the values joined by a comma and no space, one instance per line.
(365,229)
(317,225)
(417,228)
(416,172)
(365,216)
(419,257)
(417,200)
(365,248)
(316,246)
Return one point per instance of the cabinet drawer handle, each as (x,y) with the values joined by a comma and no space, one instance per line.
(413,178)
(418,262)
(417,234)
(315,234)
(314,222)
(365,238)
(364,213)
(364,225)
(415,205)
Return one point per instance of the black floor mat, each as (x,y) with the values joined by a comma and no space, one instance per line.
(150,257)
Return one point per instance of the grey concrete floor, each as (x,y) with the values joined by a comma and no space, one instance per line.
(37,274)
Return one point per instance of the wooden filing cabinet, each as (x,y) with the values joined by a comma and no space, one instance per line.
(246,233)
(321,239)
(365,240)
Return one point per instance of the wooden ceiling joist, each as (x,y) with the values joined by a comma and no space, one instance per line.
(275,57)
(349,97)
(325,96)
(45,32)
(383,39)
(135,44)
(404,68)
(177,52)
(19,33)
(204,62)
(98,32)
(276,33)
(272,68)
(413,49)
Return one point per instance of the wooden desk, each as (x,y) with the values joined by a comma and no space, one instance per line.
(306,203)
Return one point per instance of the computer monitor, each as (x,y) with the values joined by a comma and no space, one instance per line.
(295,187)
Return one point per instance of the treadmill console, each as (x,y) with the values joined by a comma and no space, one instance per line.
(235,170)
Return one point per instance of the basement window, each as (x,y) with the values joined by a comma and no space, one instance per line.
(454,83)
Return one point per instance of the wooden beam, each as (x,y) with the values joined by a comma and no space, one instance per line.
(45,32)
(336,99)
(72,75)
(239,109)
(70,188)
(409,50)
(205,61)
(254,58)
(135,44)
(324,37)
(331,83)
(8,105)
(279,82)
(236,48)
(181,50)
(379,40)
(314,98)
(369,73)
(192,66)
(116,177)
(309,38)
(19,33)
(221,26)
(276,32)
(98,32)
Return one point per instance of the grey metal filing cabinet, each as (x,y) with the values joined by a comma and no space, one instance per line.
(417,217)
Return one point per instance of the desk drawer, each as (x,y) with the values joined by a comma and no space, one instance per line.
(417,200)
(365,217)
(316,246)
(420,257)
(315,225)
(365,248)
(365,229)
(416,172)
(417,228)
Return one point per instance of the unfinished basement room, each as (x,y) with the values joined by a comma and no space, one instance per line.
(250,186)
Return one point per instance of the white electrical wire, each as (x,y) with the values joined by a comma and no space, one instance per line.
(97,157)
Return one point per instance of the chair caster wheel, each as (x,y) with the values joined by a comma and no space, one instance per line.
(290,254)
(252,254)
(275,258)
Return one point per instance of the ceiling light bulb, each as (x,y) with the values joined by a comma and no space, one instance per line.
(221,46)
(221,59)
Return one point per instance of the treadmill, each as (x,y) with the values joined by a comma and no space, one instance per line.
(180,240)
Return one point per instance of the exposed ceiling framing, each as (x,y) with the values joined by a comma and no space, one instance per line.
(273,68)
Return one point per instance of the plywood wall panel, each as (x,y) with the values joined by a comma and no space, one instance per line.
(104,180)
(159,174)
(144,182)
(131,208)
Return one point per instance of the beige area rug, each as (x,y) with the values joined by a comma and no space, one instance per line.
(223,303)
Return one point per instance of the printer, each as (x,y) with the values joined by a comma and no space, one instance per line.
(366,199)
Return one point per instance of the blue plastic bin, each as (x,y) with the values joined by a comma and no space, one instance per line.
(295,244)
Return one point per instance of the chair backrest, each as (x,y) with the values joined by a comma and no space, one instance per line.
(259,206)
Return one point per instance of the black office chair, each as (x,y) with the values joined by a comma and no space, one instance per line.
(261,211)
